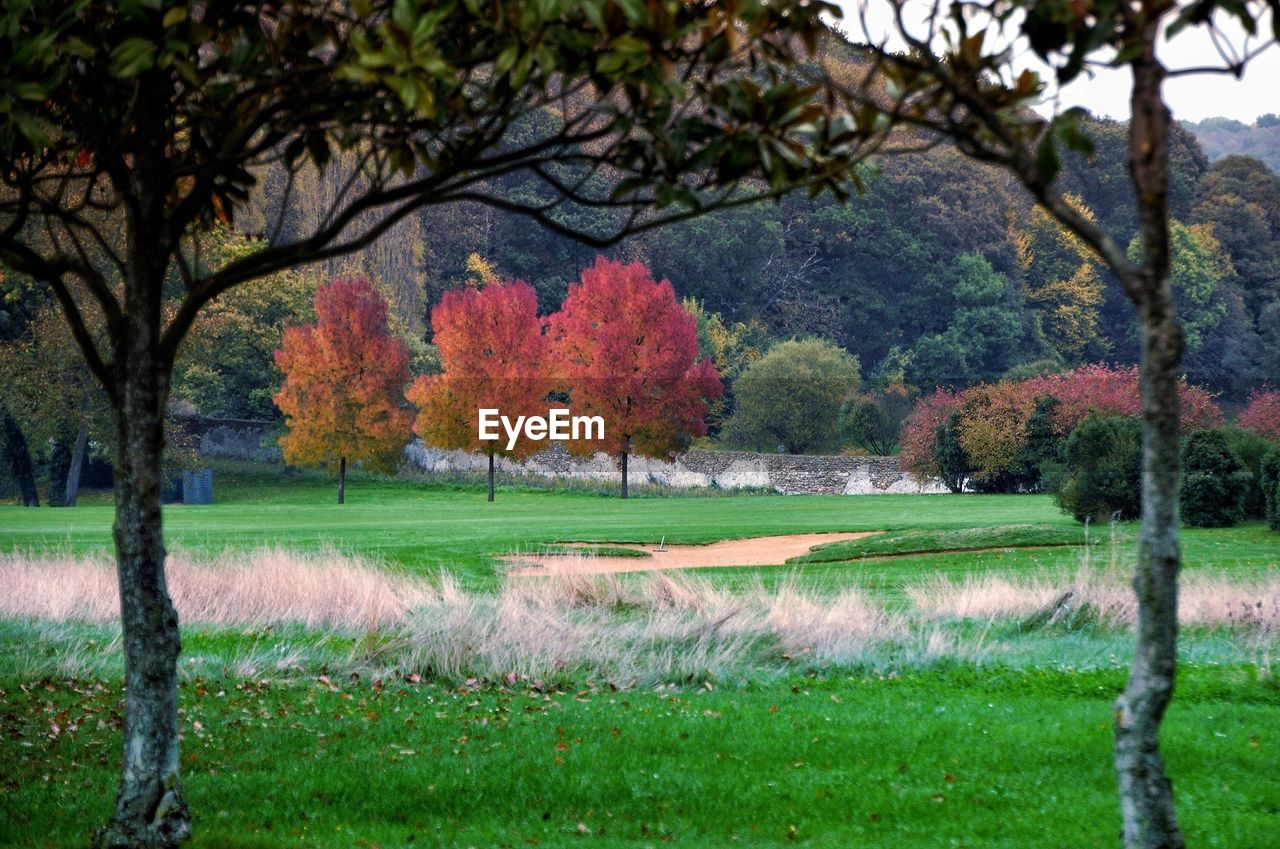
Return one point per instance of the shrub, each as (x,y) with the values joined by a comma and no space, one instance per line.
(993,423)
(1104,470)
(920,433)
(1113,391)
(1250,449)
(1038,466)
(1269,483)
(1008,436)
(1213,481)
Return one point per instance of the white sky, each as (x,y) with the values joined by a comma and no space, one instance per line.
(1192,98)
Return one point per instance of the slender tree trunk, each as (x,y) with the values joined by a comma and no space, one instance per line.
(490,477)
(59,466)
(1146,794)
(15,446)
(342,481)
(77,457)
(150,809)
(624,474)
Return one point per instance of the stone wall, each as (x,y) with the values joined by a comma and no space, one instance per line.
(785,473)
(236,439)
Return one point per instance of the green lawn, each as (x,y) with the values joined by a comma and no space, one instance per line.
(427,526)
(944,758)
(1011,751)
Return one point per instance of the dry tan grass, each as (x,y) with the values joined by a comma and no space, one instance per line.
(660,626)
(1205,598)
(261,587)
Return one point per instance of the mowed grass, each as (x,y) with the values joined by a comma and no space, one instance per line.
(941,758)
(426,527)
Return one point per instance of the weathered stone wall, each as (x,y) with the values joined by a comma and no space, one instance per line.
(236,439)
(785,473)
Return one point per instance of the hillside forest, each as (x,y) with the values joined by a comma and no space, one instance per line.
(938,275)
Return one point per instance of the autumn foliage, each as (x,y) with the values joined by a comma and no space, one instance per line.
(1113,391)
(495,355)
(1262,414)
(993,423)
(920,433)
(343,379)
(626,350)
(993,417)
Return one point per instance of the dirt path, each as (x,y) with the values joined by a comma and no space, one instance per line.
(758,551)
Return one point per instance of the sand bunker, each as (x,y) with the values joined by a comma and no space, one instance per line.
(758,551)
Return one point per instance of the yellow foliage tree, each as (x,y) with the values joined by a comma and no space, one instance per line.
(1062,283)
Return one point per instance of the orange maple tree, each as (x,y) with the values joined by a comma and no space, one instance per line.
(627,351)
(343,379)
(495,356)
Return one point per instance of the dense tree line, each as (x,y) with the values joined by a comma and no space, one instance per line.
(943,265)
(943,275)
(1226,136)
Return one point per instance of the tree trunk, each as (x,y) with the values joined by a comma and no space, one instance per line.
(150,810)
(77,458)
(491,477)
(59,466)
(342,481)
(1146,794)
(624,474)
(15,446)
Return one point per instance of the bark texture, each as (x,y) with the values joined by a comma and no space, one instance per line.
(342,481)
(624,474)
(1146,794)
(72,489)
(59,466)
(19,454)
(491,477)
(150,809)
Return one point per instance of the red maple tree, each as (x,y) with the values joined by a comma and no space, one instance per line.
(920,433)
(1262,414)
(495,356)
(343,379)
(627,351)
